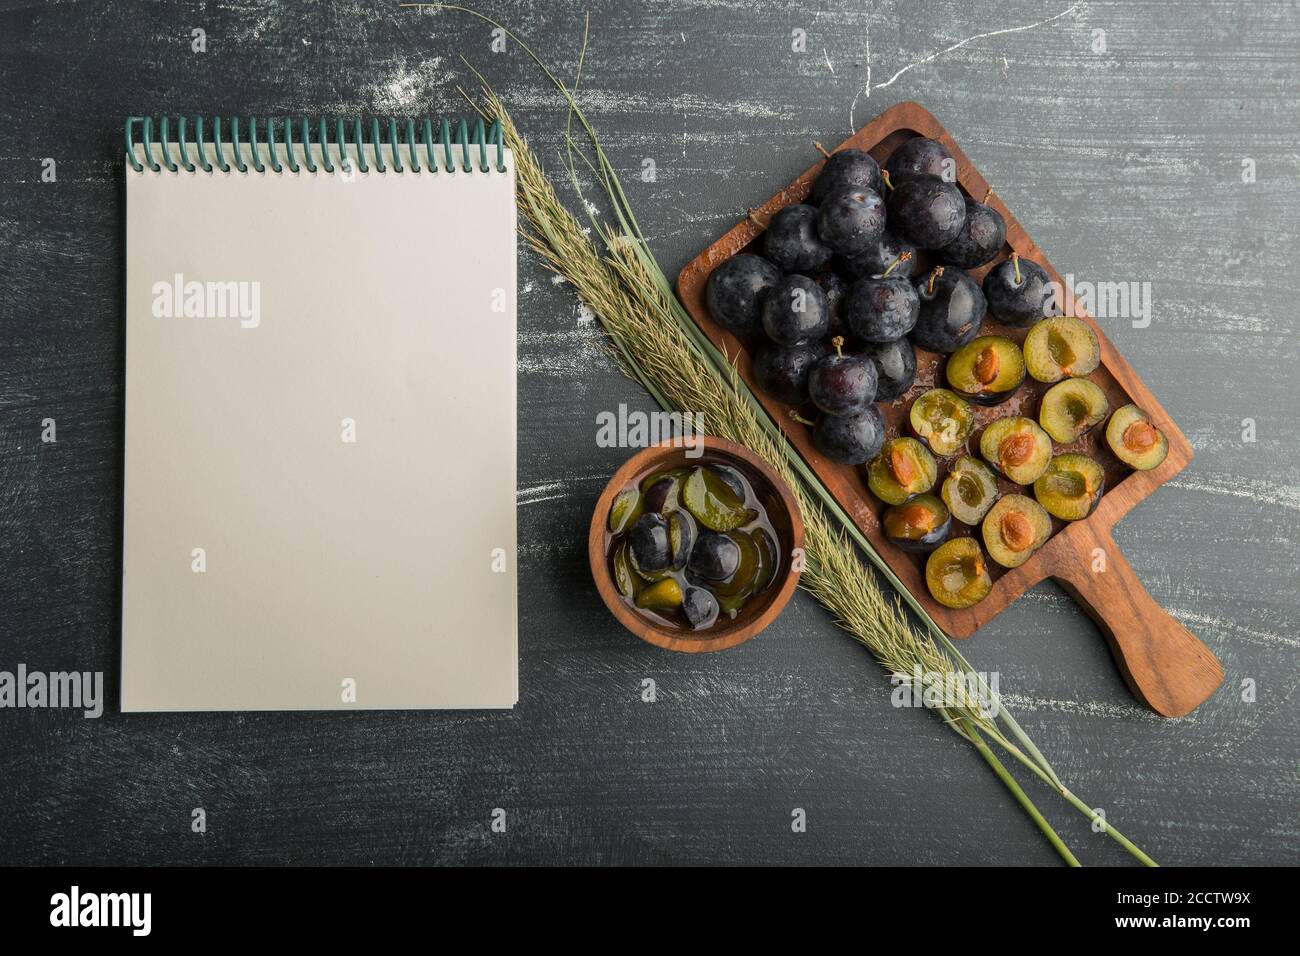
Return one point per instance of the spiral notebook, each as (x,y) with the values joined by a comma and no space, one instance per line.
(319,502)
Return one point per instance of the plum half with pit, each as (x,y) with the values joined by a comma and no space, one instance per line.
(842,384)
(1017,448)
(987,370)
(926,211)
(851,220)
(1014,529)
(920,523)
(796,311)
(1135,439)
(846,167)
(1019,292)
(850,439)
(736,290)
(792,243)
(895,366)
(904,467)
(951,312)
(783,372)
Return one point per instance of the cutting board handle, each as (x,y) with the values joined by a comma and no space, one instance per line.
(1164,663)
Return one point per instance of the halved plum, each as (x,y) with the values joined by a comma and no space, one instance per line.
(920,523)
(942,419)
(1061,347)
(627,507)
(713,501)
(957,574)
(969,490)
(1014,529)
(987,369)
(1072,408)
(1071,487)
(1135,440)
(665,595)
(903,468)
(1017,447)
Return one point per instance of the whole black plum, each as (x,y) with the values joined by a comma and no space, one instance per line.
(881,309)
(1019,292)
(842,384)
(783,373)
(847,167)
(926,211)
(895,366)
(921,157)
(952,310)
(851,220)
(714,558)
(736,290)
(887,250)
(850,439)
(792,243)
(796,311)
(980,239)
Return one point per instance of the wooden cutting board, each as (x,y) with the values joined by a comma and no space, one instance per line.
(1164,664)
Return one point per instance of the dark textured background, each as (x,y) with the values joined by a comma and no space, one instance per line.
(1122,165)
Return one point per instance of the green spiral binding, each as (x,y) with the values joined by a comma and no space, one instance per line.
(234,141)
(185,156)
(306,146)
(449,137)
(288,144)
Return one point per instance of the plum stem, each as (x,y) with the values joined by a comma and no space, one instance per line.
(938,271)
(987,194)
(904,256)
(753,217)
(821,149)
(1015,264)
(884,177)
(794,413)
(837,344)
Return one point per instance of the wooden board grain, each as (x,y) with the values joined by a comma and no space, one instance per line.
(1164,664)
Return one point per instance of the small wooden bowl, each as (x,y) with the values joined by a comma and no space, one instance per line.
(782,511)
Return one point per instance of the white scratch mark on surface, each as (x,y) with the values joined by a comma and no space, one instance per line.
(1087,708)
(1219,624)
(1005,67)
(827,58)
(866,83)
(979,36)
(550,490)
(1285,496)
